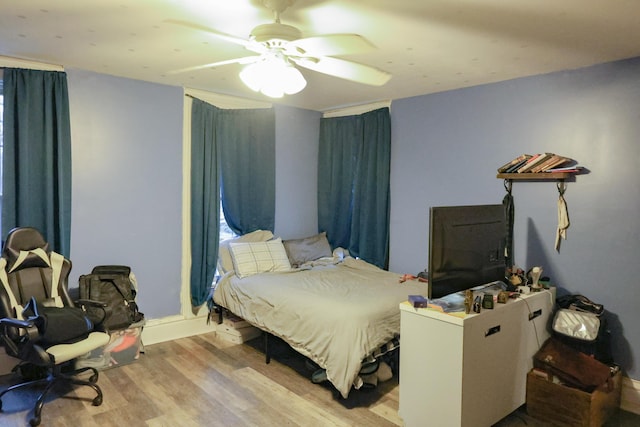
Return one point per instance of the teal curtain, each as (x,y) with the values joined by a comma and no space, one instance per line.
(247,151)
(205,199)
(337,162)
(353,184)
(233,158)
(36,183)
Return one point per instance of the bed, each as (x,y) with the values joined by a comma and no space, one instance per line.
(330,307)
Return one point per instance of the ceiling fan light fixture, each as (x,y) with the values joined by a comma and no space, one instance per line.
(282,52)
(273,76)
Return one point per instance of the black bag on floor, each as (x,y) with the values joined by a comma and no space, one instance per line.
(112,285)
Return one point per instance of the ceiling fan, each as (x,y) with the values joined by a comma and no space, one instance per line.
(280,47)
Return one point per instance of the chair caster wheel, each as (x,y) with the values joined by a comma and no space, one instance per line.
(35,421)
(97,401)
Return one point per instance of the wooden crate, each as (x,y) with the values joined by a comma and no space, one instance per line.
(567,406)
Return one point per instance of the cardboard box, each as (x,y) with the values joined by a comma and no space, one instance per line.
(237,336)
(567,406)
(235,322)
(124,347)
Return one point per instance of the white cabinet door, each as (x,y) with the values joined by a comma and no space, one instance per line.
(490,365)
(430,370)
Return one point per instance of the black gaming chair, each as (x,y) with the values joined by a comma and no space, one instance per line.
(27,274)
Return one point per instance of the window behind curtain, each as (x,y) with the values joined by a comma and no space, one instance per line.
(225,231)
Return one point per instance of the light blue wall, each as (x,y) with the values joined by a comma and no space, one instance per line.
(297,133)
(127,183)
(446,148)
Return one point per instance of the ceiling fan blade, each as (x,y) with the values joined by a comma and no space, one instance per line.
(345,69)
(331,45)
(248,44)
(244,60)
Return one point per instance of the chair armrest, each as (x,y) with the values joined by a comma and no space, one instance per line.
(10,339)
(17,323)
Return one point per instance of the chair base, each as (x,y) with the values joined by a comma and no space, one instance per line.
(56,376)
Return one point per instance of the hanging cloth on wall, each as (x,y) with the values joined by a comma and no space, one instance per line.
(508,203)
(563,217)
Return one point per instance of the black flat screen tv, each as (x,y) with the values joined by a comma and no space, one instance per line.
(466,247)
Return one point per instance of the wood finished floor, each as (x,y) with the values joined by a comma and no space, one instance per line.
(206,381)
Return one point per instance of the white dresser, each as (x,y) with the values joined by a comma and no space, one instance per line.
(469,370)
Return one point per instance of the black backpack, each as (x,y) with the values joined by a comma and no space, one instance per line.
(111,284)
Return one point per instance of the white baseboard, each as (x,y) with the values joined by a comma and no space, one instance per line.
(174,327)
(630,399)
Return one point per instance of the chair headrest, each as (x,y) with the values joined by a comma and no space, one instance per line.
(24,239)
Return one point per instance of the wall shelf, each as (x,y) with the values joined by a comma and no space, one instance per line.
(540,176)
(559,177)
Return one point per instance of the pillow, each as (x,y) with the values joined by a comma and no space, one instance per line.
(37,257)
(307,249)
(225,263)
(258,257)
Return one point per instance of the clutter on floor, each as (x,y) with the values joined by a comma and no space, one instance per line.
(575,380)
(236,330)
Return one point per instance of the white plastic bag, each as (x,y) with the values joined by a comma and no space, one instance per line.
(579,325)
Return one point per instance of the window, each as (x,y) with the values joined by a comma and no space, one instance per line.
(225,231)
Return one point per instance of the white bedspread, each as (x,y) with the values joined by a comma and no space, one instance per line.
(335,313)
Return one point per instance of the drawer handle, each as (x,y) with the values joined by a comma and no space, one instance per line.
(492,331)
(535,314)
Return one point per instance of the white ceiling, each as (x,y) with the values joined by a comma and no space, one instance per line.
(428,46)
